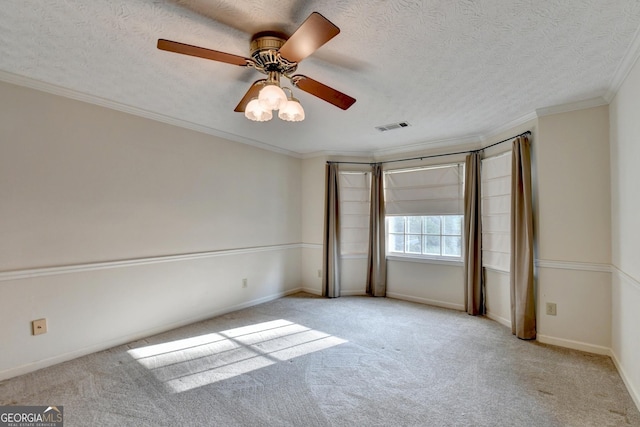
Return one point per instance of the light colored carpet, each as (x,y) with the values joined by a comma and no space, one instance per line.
(351,361)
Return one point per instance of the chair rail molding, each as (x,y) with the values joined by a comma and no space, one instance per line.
(76,268)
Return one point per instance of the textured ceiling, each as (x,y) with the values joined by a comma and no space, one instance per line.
(453,69)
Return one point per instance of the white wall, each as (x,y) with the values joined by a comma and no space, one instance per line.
(114,227)
(313,182)
(353,275)
(572,224)
(497,285)
(433,283)
(625,209)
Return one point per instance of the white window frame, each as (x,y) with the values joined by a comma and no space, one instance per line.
(406,256)
(426,258)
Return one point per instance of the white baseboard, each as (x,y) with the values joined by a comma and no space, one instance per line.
(635,393)
(443,304)
(312,291)
(34,366)
(499,319)
(319,292)
(352,293)
(575,345)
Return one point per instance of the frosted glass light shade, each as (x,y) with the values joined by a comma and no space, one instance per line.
(255,112)
(272,97)
(292,111)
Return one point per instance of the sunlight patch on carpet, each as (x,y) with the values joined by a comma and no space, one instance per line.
(205,359)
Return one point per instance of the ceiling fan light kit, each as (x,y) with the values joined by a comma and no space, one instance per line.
(275,55)
(292,110)
(272,97)
(256,113)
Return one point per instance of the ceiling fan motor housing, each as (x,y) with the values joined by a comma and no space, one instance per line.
(265,49)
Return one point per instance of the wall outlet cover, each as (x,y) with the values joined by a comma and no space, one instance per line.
(551,308)
(39,327)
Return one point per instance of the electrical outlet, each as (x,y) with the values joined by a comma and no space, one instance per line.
(551,309)
(39,327)
(319,274)
(244,283)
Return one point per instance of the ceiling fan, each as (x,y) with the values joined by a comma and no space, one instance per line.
(276,55)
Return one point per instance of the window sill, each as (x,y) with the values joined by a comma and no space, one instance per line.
(441,261)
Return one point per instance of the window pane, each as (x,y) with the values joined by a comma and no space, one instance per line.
(414,224)
(431,225)
(452,225)
(414,244)
(429,235)
(396,224)
(452,246)
(431,245)
(396,243)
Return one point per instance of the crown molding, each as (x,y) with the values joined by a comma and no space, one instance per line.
(624,68)
(509,126)
(107,103)
(473,141)
(428,145)
(331,153)
(316,154)
(598,101)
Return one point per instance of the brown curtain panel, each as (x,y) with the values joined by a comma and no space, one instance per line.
(331,240)
(523,310)
(377,270)
(473,279)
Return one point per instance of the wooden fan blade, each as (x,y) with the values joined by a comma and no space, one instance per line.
(251,93)
(201,52)
(315,31)
(322,91)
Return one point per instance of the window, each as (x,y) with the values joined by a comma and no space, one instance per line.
(354,213)
(424,209)
(432,235)
(496,212)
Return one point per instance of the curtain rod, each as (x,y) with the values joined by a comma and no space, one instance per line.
(435,155)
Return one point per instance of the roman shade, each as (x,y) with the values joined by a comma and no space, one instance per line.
(354,212)
(496,212)
(436,190)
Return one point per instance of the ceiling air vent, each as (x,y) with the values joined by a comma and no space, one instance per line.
(392,126)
